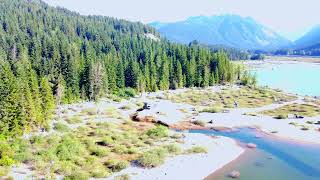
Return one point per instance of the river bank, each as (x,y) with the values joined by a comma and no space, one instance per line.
(221,151)
(186,116)
(174,109)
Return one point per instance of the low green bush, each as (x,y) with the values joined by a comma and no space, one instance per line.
(199,123)
(281,116)
(6,154)
(126,93)
(117,165)
(70,148)
(61,127)
(173,149)
(89,111)
(197,150)
(211,110)
(3,171)
(99,151)
(152,158)
(159,132)
(122,177)
(78,175)
(74,120)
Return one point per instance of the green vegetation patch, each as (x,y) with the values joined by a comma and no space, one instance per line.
(93,150)
(245,97)
(306,110)
(74,120)
(61,127)
(153,158)
(159,132)
(197,150)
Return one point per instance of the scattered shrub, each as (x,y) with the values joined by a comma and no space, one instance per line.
(62,167)
(152,158)
(74,120)
(79,175)
(98,173)
(6,161)
(281,116)
(159,131)
(90,111)
(176,136)
(173,149)
(6,154)
(122,177)
(211,110)
(117,165)
(99,151)
(70,149)
(305,128)
(199,123)
(197,149)
(125,107)
(3,171)
(126,93)
(121,149)
(61,127)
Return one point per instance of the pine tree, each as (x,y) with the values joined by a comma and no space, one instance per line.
(112,75)
(153,77)
(27,103)
(48,102)
(212,80)
(36,96)
(96,81)
(179,75)
(206,77)
(131,75)
(164,76)
(11,112)
(120,75)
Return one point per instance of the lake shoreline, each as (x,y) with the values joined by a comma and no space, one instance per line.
(220,121)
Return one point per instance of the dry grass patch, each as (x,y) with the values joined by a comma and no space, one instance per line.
(305,110)
(244,97)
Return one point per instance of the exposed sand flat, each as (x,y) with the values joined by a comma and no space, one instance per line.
(171,115)
(221,151)
(312,59)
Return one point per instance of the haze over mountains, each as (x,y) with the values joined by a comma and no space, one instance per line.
(309,39)
(231,30)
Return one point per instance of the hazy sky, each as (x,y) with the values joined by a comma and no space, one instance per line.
(290,18)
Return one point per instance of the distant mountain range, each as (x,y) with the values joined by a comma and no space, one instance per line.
(229,30)
(307,45)
(309,40)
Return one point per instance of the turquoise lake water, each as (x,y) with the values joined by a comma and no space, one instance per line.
(295,77)
(274,159)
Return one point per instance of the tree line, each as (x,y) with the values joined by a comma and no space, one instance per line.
(51,55)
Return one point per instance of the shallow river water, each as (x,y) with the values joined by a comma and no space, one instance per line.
(273,159)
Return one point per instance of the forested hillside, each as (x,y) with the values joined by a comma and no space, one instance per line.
(50,56)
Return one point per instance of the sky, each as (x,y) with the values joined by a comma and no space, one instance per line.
(290,18)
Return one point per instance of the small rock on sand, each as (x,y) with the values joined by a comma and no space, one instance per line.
(251,145)
(234,174)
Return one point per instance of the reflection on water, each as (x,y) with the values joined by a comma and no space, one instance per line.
(295,77)
(273,159)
